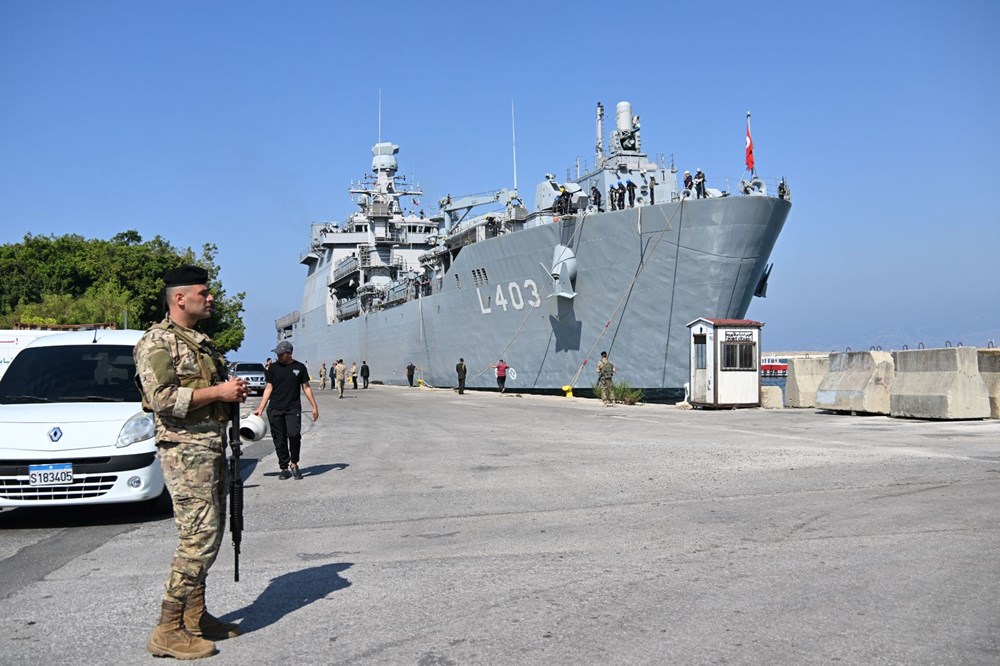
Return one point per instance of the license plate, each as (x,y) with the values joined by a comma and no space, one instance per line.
(50,475)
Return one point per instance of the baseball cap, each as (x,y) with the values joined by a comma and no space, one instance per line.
(284,347)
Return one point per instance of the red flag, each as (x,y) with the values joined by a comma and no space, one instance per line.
(749,146)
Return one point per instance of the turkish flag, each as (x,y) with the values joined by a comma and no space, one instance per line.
(749,147)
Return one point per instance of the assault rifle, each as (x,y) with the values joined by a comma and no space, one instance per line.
(236,491)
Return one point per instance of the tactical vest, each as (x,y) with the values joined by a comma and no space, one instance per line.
(212,371)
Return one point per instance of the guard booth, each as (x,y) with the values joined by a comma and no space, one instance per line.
(725,356)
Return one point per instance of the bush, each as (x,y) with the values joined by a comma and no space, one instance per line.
(627,394)
(624,393)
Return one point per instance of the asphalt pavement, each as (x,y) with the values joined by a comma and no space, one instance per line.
(434,529)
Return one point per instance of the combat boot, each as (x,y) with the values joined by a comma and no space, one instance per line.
(199,622)
(170,639)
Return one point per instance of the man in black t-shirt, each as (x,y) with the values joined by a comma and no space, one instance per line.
(284,407)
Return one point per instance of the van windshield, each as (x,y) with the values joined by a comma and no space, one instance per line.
(71,373)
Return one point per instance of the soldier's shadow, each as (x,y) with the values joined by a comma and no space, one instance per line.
(288,593)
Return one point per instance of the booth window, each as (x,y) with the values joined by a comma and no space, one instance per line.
(700,353)
(739,355)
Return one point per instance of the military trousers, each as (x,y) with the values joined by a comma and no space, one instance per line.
(607,390)
(195,475)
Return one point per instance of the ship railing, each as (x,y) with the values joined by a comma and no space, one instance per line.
(746,186)
(392,236)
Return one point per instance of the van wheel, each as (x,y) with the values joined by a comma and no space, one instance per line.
(163,504)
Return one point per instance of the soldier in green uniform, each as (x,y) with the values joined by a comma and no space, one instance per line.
(184,383)
(605,379)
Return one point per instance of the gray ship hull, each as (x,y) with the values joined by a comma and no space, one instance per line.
(642,275)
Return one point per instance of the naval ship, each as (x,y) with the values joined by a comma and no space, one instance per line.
(546,289)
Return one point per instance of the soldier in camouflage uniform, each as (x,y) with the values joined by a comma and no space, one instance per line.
(183,381)
(605,379)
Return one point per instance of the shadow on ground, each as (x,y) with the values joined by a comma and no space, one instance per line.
(312,470)
(288,593)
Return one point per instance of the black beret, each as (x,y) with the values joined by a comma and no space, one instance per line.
(185,275)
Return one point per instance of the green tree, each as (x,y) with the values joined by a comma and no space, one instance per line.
(72,280)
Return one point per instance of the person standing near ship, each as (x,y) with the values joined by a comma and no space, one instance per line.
(652,190)
(688,182)
(354,374)
(605,379)
(699,184)
(501,368)
(613,196)
(410,369)
(461,371)
(621,196)
(630,186)
(364,374)
(322,377)
(286,381)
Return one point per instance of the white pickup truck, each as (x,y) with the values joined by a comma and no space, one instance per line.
(72,429)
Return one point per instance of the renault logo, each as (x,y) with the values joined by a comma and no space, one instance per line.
(55,434)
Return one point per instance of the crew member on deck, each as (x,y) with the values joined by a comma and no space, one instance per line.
(595,197)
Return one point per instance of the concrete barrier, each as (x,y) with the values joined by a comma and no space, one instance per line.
(804,377)
(989,370)
(770,397)
(857,382)
(938,384)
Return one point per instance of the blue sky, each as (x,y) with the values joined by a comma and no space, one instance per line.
(239,123)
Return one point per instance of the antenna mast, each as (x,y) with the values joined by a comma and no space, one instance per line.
(513,140)
(380,115)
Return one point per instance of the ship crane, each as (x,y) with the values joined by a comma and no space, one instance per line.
(456,210)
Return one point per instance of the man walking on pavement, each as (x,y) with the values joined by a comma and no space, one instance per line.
(364,374)
(286,381)
(340,374)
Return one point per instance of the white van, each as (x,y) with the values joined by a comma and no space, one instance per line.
(72,429)
(13,341)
